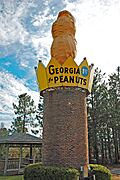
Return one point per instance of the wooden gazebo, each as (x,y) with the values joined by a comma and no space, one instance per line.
(19,140)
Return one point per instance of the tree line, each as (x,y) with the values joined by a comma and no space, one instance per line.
(104,118)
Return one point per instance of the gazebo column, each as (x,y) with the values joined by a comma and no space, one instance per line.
(34,154)
(6,159)
(20,158)
(31,160)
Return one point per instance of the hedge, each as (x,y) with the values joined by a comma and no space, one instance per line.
(40,172)
(100,172)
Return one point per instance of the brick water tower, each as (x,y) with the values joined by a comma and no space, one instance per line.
(64,86)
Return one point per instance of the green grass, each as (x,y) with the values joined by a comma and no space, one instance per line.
(11,178)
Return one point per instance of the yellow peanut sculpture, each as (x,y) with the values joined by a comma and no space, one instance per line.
(63,32)
(62,70)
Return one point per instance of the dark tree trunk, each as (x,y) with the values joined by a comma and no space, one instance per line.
(115,145)
(109,145)
(102,150)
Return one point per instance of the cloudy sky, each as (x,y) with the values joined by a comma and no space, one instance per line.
(25,37)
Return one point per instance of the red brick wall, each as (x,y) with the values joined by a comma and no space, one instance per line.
(65,136)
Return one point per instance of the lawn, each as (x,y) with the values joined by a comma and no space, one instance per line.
(11,178)
(114,177)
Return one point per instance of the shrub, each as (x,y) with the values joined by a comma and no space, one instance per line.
(40,172)
(101,172)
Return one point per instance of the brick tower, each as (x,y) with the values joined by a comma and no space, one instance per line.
(65,137)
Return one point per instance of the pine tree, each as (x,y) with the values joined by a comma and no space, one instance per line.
(104,118)
(24,113)
(114,112)
(39,114)
(94,115)
(3,133)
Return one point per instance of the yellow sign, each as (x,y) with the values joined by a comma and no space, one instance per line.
(70,73)
(53,73)
(42,76)
(67,74)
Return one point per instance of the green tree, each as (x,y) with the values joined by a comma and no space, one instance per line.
(95,108)
(3,133)
(114,112)
(39,117)
(25,111)
(3,130)
(39,114)
(104,118)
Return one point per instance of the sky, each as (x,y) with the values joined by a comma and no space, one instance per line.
(25,38)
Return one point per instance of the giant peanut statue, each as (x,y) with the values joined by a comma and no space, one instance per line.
(64,86)
(63,32)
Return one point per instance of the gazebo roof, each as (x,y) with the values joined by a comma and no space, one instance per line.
(20,138)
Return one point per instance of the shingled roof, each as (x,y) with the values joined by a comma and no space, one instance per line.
(20,138)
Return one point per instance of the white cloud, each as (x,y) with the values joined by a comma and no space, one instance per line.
(42,45)
(17,33)
(10,88)
(11,28)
